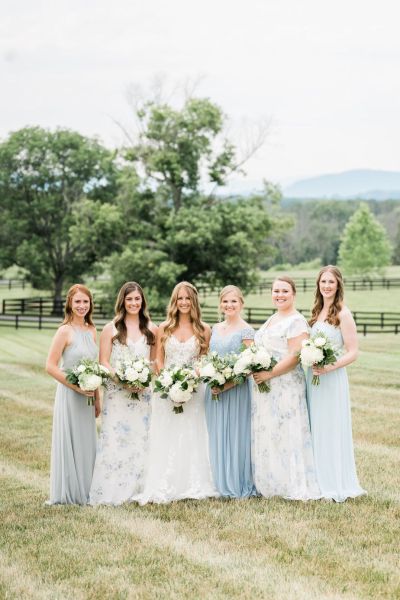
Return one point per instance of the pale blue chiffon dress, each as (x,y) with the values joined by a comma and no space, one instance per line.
(73,449)
(229,426)
(330,420)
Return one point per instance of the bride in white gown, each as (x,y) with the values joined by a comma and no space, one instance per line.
(178,460)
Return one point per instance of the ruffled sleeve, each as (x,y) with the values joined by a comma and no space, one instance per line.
(297,326)
(248,333)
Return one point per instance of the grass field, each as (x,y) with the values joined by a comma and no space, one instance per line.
(254,548)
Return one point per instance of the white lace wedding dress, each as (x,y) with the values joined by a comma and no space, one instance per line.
(122,446)
(178,460)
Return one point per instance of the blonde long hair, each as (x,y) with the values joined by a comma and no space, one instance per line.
(68,314)
(337,304)
(172,320)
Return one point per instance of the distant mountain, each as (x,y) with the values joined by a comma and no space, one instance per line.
(363,183)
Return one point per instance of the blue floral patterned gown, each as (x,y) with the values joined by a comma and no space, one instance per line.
(281,439)
(229,426)
(330,418)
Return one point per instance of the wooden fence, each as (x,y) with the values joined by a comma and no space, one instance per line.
(13,283)
(367,322)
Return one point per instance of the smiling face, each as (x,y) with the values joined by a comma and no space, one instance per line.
(80,304)
(283,295)
(231,304)
(133,302)
(328,285)
(183,301)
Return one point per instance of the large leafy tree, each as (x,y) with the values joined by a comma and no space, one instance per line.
(56,190)
(176,147)
(365,247)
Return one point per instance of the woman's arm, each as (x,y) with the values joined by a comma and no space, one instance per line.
(349,333)
(287,363)
(58,345)
(153,328)
(106,346)
(160,355)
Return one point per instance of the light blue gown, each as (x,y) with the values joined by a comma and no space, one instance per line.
(229,426)
(330,420)
(73,449)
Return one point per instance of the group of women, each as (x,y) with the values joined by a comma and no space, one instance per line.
(294,441)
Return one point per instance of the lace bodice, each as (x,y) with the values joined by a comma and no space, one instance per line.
(180,353)
(138,348)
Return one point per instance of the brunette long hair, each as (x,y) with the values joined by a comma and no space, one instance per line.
(172,320)
(68,314)
(337,304)
(120,314)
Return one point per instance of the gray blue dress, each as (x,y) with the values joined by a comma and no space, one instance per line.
(229,426)
(330,420)
(73,449)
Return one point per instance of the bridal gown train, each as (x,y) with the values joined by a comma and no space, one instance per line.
(178,460)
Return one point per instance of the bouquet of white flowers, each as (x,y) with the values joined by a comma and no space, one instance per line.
(253,359)
(177,384)
(133,371)
(217,370)
(317,351)
(88,375)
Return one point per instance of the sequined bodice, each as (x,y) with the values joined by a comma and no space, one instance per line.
(180,353)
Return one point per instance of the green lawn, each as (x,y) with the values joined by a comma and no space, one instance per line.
(254,548)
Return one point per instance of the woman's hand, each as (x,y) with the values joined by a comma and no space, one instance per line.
(262,376)
(133,389)
(323,370)
(97,407)
(223,388)
(87,393)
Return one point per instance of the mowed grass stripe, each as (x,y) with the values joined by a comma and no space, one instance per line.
(249,570)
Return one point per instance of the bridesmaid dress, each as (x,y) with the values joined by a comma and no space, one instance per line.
(330,419)
(281,441)
(229,426)
(178,461)
(122,446)
(73,449)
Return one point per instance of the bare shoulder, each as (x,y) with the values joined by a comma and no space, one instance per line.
(108,328)
(153,327)
(345,313)
(64,333)
(161,327)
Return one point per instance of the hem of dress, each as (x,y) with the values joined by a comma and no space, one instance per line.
(186,496)
(60,503)
(339,498)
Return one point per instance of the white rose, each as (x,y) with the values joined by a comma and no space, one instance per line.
(306,342)
(227,372)
(319,342)
(131,374)
(89,382)
(208,371)
(310,356)
(241,366)
(138,365)
(80,369)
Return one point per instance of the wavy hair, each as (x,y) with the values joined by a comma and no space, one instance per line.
(172,320)
(68,314)
(120,314)
(337,304)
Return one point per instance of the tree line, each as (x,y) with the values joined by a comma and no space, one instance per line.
(73,208)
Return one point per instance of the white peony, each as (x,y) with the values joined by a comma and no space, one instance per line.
(89,382)
(80,369)
(131,374)
(138,365)
(262,357)
(227,372)
(219,378)
(166,379)
(178,395)
(208,370)
(310,355)
(241,366)
(319,342)
(144,375)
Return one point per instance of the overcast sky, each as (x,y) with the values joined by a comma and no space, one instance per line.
(326,73)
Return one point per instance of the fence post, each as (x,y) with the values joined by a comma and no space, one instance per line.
(382,320)
(40,321)
(23,305)
(4,307)
(16,321)
(365,329)
(249,315)
(9,284)
(40,306)
(23,284)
